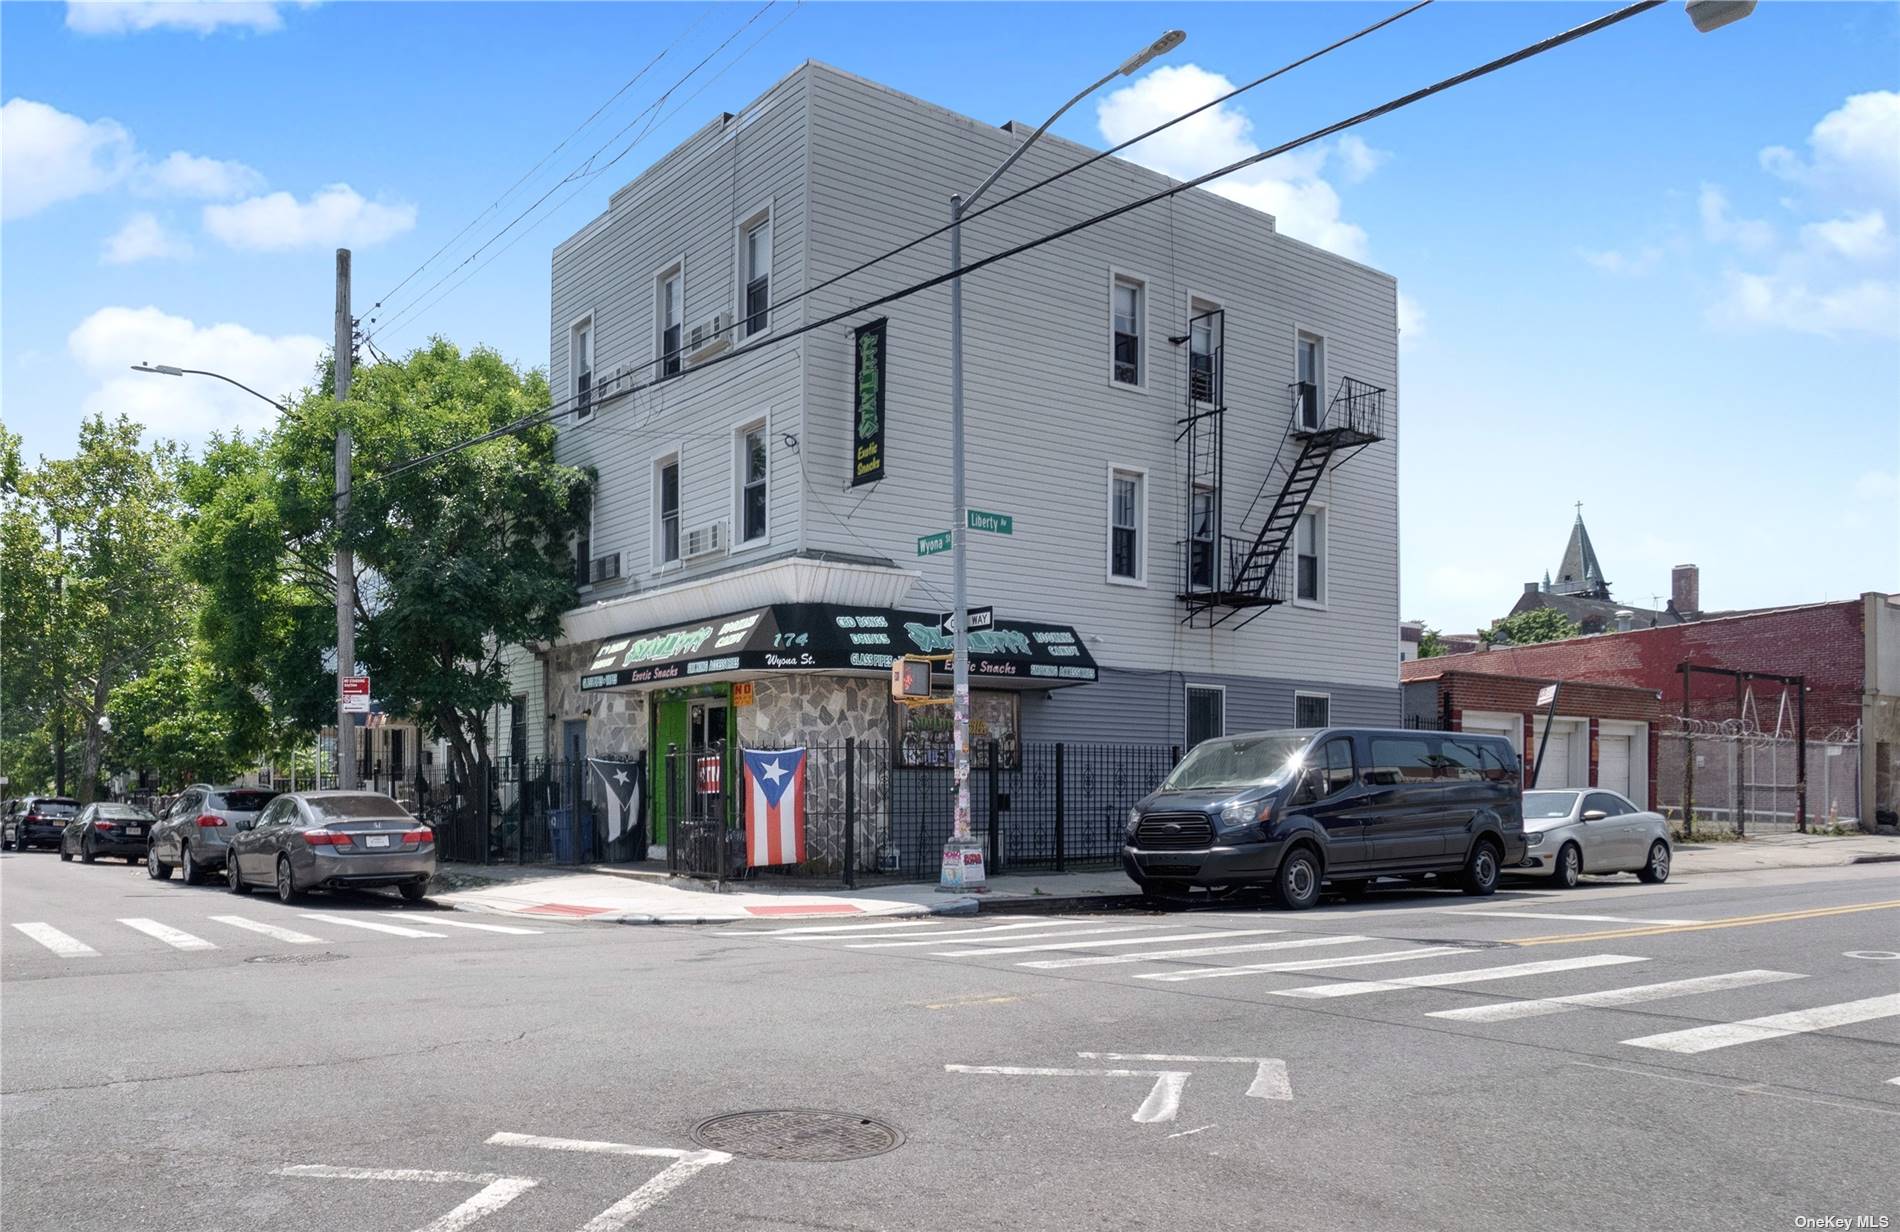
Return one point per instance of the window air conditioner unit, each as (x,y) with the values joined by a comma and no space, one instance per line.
(709,337)
(606,568)
(619,382)
(707,540)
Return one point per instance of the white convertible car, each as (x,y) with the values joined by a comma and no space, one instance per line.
(1571,833)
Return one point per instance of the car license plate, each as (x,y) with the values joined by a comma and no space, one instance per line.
(377,840)
(133,832)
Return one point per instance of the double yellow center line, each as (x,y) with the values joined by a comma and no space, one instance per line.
(1736,921)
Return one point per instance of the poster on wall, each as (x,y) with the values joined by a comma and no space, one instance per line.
(867,420)
(925,735)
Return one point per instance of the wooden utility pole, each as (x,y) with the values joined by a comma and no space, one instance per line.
(345,562)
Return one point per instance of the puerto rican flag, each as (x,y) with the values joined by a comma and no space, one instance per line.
(774,806)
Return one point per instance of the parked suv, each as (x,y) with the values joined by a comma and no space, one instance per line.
(36,821)
(1292,809)
(195,835)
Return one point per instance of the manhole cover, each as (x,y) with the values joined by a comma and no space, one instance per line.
(802,1135)
(295,960)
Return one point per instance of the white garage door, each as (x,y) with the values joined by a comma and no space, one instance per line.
(1554,769)
(1613,763)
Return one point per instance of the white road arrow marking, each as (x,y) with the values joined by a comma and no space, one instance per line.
(497,1190)
(1269,1076)
(1163,1101)
(685,1166)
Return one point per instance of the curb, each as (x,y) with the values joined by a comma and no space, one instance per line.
(1881,859)
(955,907)
(1052,904)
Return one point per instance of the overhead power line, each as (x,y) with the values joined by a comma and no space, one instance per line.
(564,407)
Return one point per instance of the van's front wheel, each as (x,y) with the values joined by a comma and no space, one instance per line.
(1296,887)
(1481,869)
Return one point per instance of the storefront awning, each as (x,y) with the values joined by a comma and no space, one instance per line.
(823,637)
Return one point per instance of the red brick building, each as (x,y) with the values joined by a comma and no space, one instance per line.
(1603,735)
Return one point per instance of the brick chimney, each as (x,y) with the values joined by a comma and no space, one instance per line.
(1685,589)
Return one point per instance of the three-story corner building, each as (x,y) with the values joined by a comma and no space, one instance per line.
(1188,420)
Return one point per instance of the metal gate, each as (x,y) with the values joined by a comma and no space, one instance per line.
(701,836)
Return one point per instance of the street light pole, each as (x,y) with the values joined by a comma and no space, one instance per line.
(345,559)
(962,851)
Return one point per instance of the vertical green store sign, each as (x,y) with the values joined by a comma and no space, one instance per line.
(867,461)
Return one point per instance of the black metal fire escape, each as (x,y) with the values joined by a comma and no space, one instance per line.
(1225,575)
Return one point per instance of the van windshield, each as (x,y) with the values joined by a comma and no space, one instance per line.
(1238,761)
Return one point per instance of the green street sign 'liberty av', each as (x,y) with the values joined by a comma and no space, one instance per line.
(995,523)
(930,545)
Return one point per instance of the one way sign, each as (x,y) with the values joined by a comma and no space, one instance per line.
(980,618)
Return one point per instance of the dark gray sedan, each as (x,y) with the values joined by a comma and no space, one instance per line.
(324,840)
(107,830)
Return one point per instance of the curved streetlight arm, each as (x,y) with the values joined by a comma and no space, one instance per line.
(169,370)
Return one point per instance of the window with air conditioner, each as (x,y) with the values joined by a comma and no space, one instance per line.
(580,364)
(670,314)
(755,274)
(1309,557)
(1126,517)
(666,510)
(1127,306)
(751,470)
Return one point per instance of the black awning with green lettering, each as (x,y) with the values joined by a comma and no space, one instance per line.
(824,637)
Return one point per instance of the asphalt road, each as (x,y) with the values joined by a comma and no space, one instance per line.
(1419,1069)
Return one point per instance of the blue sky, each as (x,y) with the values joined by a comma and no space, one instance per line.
(1654,272)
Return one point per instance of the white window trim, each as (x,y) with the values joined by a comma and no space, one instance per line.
(677,456)
(1319,377)
(573,376)
(1140,476)
(1312,695)
(1322,533)
(1146,308)
(660,275)
(762,214)
(1190,687)
(593,545)
(1198,305)
(764,424)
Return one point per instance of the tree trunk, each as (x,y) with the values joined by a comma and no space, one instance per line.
(95,739)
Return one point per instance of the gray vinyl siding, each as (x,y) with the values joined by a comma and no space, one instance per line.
(1150,707)
(1045,425)
(687,207)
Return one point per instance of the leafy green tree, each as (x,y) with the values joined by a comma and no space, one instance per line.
(1431,643)
(91,589)
(1542,624)
(456,558)
(178,720)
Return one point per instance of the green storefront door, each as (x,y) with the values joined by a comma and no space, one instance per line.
(682,719)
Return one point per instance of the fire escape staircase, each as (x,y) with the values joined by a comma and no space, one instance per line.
(1226,575)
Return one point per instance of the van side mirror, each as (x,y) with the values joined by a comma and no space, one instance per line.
(1308,789)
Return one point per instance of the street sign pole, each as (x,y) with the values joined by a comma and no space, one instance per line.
(962,869)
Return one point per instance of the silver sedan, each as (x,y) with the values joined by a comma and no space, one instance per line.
(311,840)
(1571,833)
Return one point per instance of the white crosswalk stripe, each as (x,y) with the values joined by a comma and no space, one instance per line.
(56,941)
(1774,1026)
(1148,939)
(951,938)
(1107,960)
(1610,998)
(1310,964)
(434,922)
(1446,979)
(177,938)
(1043,926)
(394,930)
(290,935)
(819,930)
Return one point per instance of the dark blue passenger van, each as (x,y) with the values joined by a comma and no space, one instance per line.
(1292,809)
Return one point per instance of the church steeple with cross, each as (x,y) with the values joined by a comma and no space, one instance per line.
(1579,574)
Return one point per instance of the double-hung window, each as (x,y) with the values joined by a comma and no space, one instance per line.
(580,362)
(671,313)
(1204,344)
(756,268)
(752,483)
(1309,557)
(1307,360)
(1127,311)
(1203,514)
(666,509)
(1125,525)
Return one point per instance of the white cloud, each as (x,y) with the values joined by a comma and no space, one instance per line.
(1854,149)
(1785,299)
(336,215)
(1411,318)
(187,175)
(111,339)
(142,238)
(199,16)
(1292,187)
(53,157)
(1720,227)
(1624,264)
(1857,237)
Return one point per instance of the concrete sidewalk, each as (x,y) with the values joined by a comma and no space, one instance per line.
(623,896)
